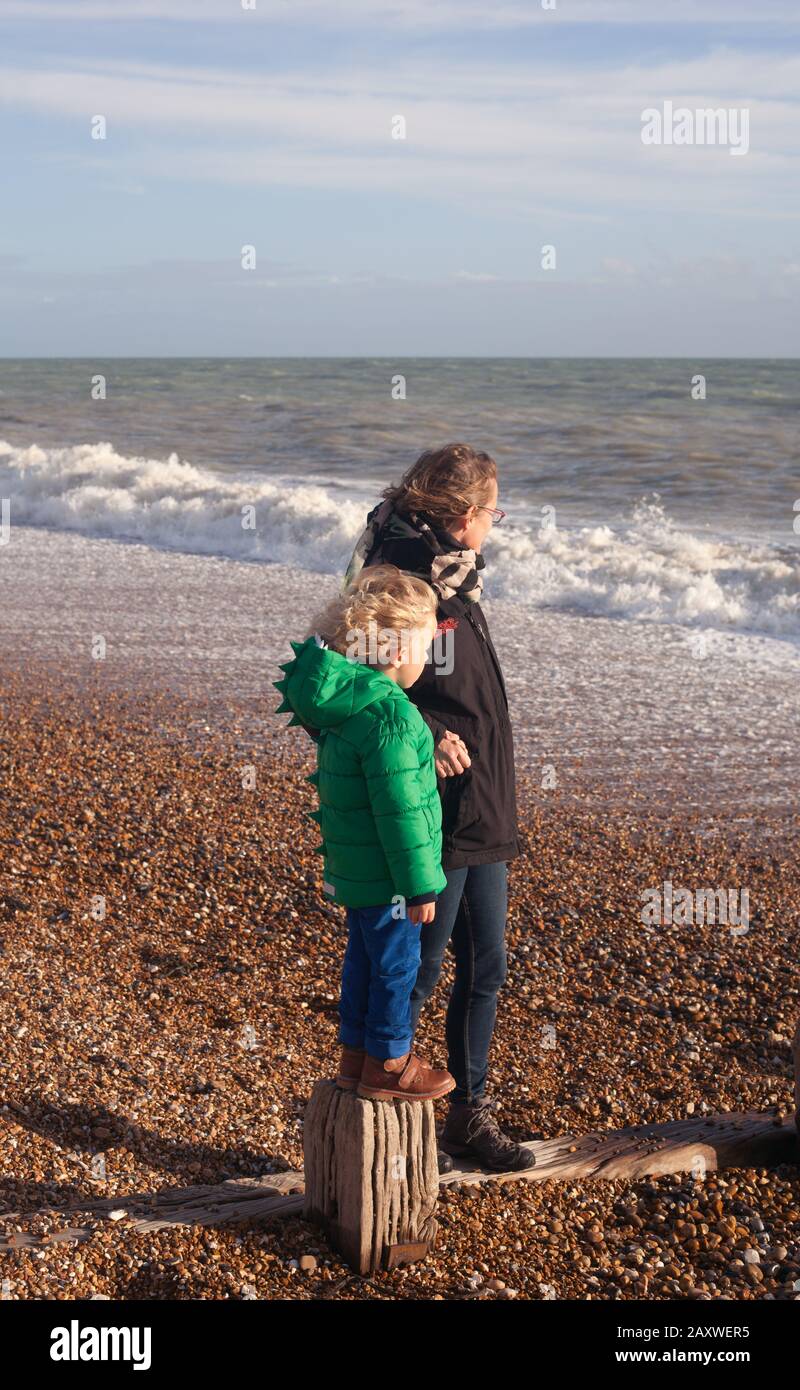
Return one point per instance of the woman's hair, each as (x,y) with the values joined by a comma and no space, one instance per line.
(445,483)
(382,598)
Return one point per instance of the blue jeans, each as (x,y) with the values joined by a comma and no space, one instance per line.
(381,963)
(471,917)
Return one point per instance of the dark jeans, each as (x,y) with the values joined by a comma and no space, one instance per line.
(381,963)
(471,916)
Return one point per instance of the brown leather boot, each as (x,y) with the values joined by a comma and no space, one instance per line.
(350,1065)
(402,1078)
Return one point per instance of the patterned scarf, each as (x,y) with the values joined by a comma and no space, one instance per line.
(436,554)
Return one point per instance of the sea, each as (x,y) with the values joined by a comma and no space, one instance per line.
(644,586)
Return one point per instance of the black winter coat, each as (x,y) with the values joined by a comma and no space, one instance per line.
(479,812)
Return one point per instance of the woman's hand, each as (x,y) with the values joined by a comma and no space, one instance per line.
(450,755)
(421,912)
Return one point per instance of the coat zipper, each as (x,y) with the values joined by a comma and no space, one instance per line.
(478,628)
(477,625)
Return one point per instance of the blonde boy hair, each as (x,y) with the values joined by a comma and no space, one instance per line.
(381,599)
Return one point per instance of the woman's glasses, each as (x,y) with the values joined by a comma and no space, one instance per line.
(497,513)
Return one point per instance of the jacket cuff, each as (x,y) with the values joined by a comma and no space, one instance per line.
(436,727)
(421,898)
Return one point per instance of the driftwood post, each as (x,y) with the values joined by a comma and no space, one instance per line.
(371,1175)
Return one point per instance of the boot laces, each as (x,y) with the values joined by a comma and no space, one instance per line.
(484,1122)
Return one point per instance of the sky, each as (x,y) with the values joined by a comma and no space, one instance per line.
(269,124)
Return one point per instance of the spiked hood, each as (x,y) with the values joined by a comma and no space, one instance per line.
(323,689)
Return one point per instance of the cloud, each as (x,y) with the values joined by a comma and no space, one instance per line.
(522,135)
(510,144)
(413,15)
(715,305)
(165,280)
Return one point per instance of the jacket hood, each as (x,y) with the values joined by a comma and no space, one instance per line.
(322,688)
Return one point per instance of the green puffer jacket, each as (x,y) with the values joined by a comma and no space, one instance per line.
(380,813)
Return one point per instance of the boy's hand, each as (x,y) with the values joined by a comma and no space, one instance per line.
(450,755)
(421,912)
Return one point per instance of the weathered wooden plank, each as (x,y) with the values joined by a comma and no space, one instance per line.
(736,1140)
(701,1144)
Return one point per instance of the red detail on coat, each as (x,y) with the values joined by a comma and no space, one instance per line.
(446,624)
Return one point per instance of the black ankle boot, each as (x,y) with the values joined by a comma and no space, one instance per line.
(471,1131)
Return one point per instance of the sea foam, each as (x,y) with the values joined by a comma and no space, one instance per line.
(645,568)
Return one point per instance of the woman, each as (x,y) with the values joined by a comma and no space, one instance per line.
(433,525)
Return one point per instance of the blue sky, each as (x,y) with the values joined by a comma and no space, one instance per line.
(272,127)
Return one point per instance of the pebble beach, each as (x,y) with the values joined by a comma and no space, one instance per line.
(289,289)
(169,992)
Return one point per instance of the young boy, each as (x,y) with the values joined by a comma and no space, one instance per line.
(379,814)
